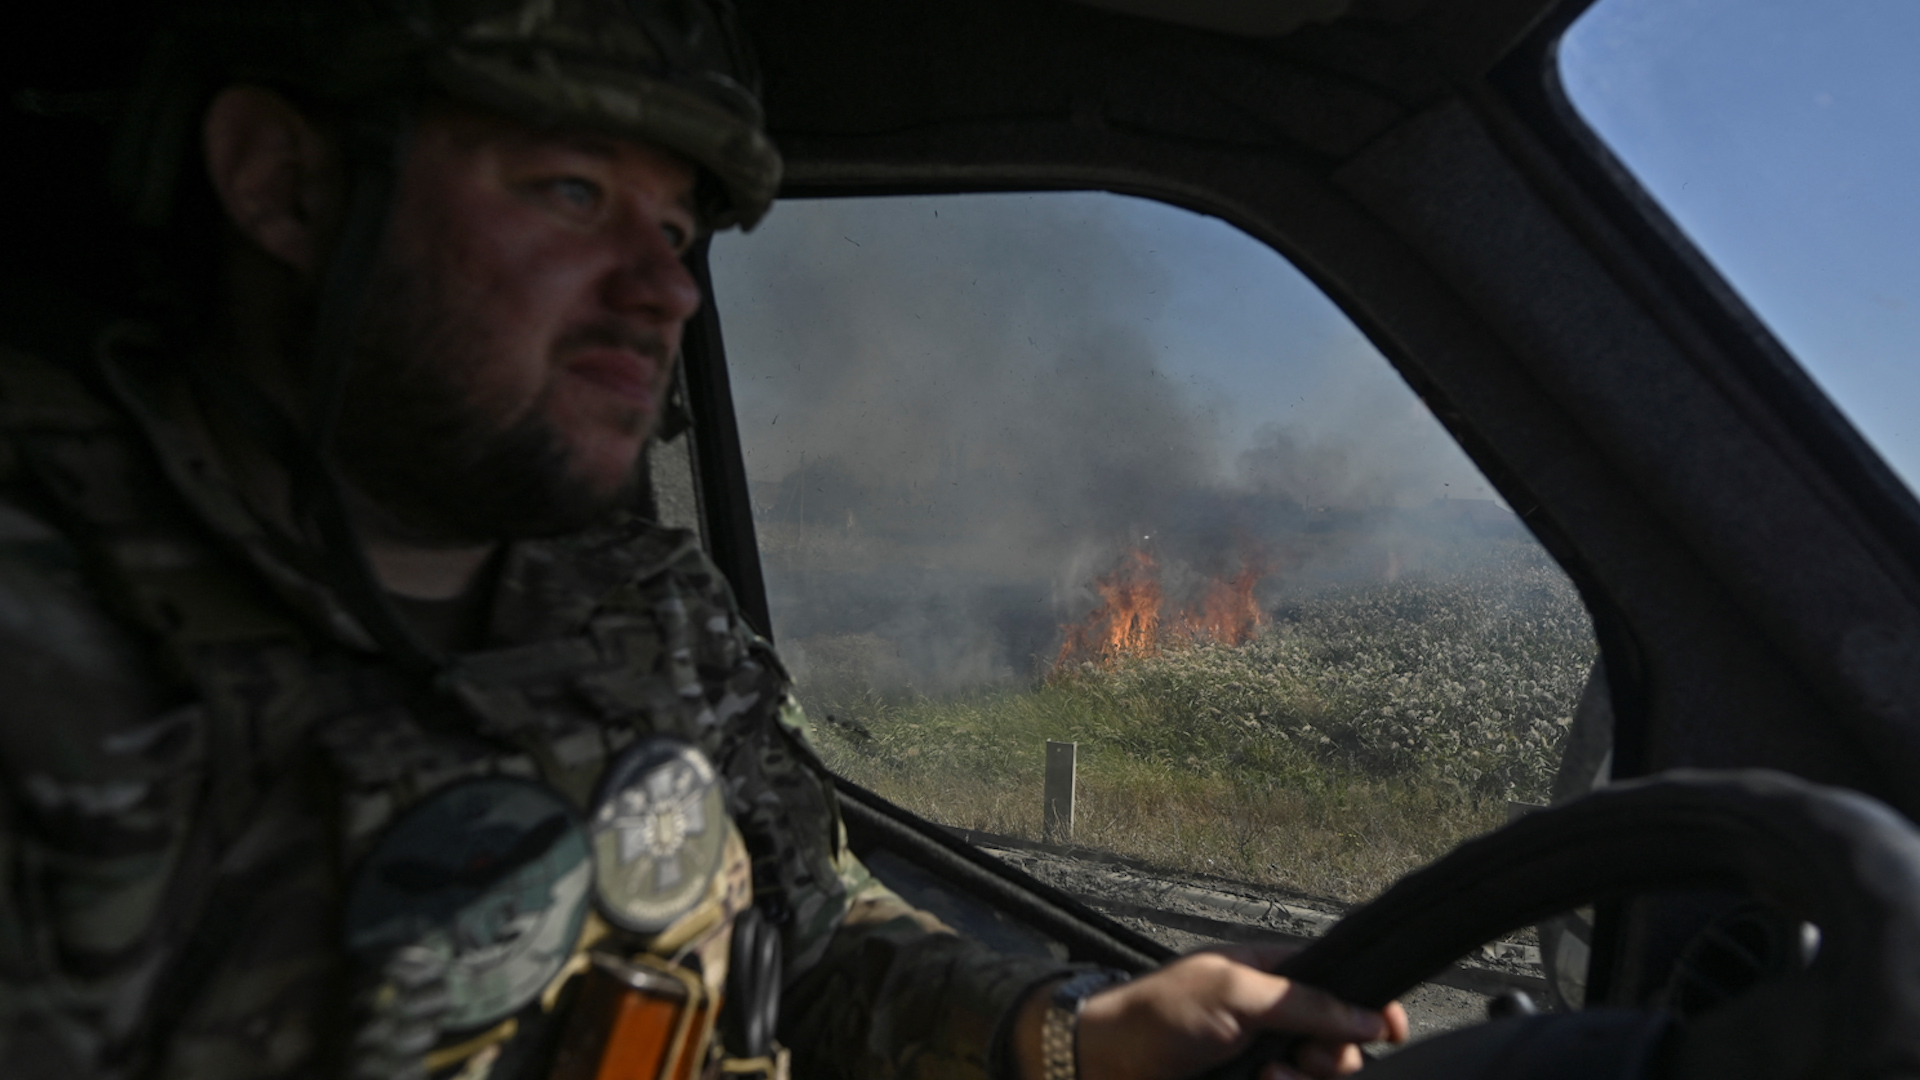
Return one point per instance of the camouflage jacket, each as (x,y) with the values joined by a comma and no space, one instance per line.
(198,745)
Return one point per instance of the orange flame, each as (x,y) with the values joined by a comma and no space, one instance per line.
(1127,624)
(1228,613)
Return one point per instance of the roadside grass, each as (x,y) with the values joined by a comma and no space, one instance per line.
(1365,732)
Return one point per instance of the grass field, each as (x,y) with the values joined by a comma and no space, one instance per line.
(1365,731)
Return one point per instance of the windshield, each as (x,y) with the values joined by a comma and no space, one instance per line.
(1094,532)
(1085,468)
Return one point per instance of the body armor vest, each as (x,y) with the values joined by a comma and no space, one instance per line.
(607,783)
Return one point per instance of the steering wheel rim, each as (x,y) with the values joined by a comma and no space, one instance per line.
(1836,858)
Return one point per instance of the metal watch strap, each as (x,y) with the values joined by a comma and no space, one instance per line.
(1059,1029)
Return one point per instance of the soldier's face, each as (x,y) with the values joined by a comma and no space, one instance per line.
(521,329)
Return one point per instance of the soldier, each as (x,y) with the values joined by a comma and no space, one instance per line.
(355,725)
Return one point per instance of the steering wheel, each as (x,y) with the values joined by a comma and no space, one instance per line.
(1838,859)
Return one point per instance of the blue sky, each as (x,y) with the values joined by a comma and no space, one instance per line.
(1784,138)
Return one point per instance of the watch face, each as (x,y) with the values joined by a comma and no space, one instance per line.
(488,879)
(659,832)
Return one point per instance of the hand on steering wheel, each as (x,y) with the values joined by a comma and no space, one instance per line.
(1837,859)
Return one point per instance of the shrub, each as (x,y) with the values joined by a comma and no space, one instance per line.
(1367,729)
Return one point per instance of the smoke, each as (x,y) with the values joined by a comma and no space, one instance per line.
(958,412)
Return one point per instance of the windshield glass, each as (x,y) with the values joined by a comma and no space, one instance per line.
(1090,469)
(1780,135)
(1094,532)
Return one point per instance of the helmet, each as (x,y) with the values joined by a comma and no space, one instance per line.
(675,73)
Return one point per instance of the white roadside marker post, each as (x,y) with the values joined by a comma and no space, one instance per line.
(1058,820)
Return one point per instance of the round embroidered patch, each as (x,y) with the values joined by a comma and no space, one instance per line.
(659,833)
(488,880)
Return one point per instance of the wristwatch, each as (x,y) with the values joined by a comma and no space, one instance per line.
(1059,1031)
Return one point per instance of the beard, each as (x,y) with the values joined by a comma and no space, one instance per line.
(440,468)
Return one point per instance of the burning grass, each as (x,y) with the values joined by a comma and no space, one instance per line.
(1131,621)
(1364,731)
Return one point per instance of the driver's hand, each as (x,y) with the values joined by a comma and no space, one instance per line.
(1202,1010)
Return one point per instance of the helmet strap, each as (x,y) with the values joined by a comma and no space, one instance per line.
(322,518)
(375,150)
(374,155)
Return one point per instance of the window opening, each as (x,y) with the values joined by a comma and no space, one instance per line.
(1087,468)
(1778,135)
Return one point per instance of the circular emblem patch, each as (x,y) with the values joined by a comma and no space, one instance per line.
(490,876)
(659,833)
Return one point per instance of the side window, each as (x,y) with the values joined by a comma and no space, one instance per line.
(1780,137)
(1083,468)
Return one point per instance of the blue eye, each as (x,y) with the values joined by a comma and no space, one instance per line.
(584,194)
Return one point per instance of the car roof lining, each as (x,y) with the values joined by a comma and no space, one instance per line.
(1250,18)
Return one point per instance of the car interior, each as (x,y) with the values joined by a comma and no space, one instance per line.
(1745,557)
(1738,894)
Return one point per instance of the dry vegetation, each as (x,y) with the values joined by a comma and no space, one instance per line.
(1366,731)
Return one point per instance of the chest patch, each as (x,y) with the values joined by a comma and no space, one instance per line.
(491,877)
(659,833)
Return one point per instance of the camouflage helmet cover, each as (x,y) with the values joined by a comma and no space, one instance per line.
(675,73)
